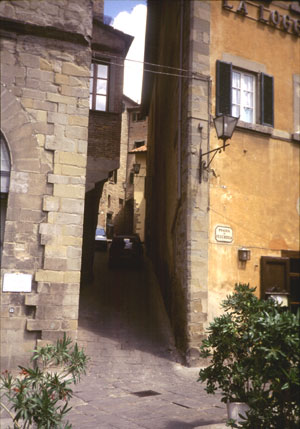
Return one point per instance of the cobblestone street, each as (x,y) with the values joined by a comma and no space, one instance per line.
(135,379)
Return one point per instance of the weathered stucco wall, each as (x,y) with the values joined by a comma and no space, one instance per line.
(256,187)
(44,117)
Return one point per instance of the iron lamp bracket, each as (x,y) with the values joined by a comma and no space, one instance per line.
(203,164)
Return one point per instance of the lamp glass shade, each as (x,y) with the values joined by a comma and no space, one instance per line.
(244,254)
(136,168)
(225,125)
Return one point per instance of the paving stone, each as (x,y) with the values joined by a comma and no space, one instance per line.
(131,352)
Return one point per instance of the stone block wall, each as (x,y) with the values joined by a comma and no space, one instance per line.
(64,14)
(44,118)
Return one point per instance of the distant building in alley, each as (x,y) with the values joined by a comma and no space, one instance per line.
(122,206)
(236,220)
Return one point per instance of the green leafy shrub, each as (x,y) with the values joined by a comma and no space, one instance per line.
(40,395)
(254,353)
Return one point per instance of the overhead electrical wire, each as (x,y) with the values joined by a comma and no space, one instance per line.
(145,62)
(190,74)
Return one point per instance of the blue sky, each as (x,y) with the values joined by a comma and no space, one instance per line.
(113,7)
(129,16)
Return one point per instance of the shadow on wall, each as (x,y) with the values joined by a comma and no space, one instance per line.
(91,205)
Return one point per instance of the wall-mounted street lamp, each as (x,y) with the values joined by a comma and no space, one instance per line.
(244,254)
(225,126)
(136,168)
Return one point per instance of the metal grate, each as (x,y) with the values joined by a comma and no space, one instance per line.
(144,393)
(181,405)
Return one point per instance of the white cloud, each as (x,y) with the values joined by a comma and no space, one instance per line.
(133,23)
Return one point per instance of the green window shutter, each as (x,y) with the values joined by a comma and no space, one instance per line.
(223,88)
(267,100)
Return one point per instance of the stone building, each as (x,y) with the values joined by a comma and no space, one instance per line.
(122,206)
(61,105)
(238,220)
(139,175)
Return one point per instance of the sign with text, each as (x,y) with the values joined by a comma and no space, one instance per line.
(223,234)
(17,282)
(265,15)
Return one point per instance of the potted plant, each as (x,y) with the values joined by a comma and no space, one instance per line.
(254,353)
(39,395)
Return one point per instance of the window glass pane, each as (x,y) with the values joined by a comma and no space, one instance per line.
(91,101)
(92,70)
(248,82)
(5,166)
(248,99)
(102,71)
(247,115)
(100,102)
(235,111)
(91,85)
(101,86)
(236,80)
(236,96)
(5,159)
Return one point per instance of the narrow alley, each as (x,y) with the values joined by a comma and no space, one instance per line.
(135,379)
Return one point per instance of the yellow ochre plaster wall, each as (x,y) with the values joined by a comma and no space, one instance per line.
(254,188)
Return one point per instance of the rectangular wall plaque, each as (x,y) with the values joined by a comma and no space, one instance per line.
(17,282)
(223,234)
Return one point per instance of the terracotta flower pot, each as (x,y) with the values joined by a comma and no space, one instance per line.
(237,409)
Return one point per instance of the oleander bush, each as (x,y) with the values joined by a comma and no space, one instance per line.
(254,354)
(39,396)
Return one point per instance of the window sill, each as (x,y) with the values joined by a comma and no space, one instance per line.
(258,128)
(270,131)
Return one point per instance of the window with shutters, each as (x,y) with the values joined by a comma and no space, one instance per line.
(99,84)
(243,94)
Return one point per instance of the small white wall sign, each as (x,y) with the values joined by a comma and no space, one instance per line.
(223,234)
(17,282)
